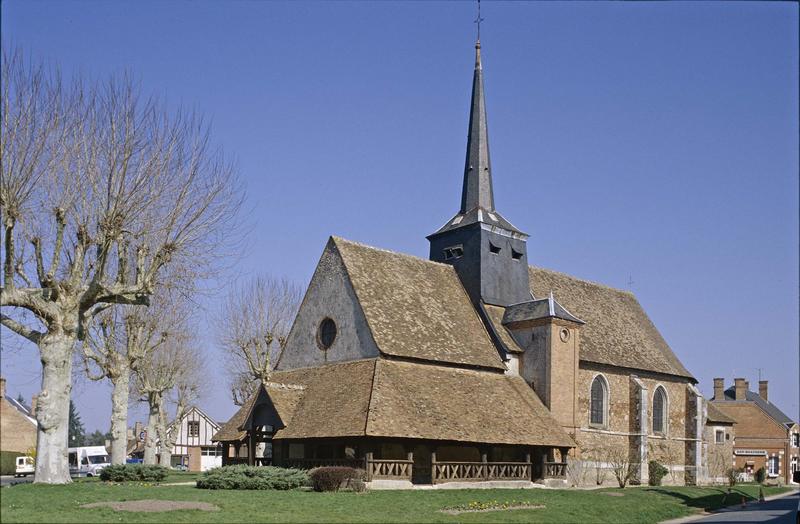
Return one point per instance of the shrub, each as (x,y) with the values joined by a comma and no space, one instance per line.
(656,472)
(333,478)
(760,475)
(733,476)
(8,462)
(133,472)
(253,477)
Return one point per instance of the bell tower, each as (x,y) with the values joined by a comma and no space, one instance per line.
(489,254)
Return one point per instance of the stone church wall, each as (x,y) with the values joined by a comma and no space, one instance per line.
(329,295)
(600,447)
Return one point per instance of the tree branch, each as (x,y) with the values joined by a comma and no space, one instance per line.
(21,329)
(8,266)
(56,260)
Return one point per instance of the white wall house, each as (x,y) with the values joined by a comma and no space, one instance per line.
(194,448)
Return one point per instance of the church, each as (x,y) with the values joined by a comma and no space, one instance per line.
(470,366)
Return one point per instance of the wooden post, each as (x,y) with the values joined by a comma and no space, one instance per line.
(251,448)
(410,458)
(433,467)
(485,466)
(369,465)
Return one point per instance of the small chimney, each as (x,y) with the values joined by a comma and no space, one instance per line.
(2,387)
(740,385)
(762,389)
(34,404)
(719,389)
(137,430)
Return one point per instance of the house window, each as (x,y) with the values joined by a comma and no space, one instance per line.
(494,249)
(660,411)
(193,428)
(210,451)
(796,440)
(773,467)
(598,402)
(719,436)
(453,252)
(516,255)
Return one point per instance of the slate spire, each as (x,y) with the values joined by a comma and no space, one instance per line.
(477,189)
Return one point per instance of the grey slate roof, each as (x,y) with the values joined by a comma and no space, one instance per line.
(617,332)
(478,215)
(537,309)
(769,408)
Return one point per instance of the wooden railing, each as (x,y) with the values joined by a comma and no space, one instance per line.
(478,471)
(392,469)
(311,463)
(555,470)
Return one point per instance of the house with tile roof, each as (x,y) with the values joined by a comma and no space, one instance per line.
(17,423)
(471,365)
(766,437)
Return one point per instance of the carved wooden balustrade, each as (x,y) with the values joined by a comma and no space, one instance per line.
(478,471)
(555,470)
(391,469)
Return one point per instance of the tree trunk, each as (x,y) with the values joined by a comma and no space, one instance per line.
(165,442)
(52,410)
(153,402)
(119,417)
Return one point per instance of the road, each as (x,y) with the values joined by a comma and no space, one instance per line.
(5,480)
(778,511)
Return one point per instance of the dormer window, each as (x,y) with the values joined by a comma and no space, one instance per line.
(453,252)
(494,249)
(516,255)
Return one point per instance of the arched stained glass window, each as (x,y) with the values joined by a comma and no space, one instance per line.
(598,402)
(659,410)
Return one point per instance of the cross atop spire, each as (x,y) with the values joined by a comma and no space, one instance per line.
(478,21)
(477,189)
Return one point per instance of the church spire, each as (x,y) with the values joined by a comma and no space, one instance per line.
(477,190)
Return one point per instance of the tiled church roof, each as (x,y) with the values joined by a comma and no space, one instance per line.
(416,308)
(715,415)
(617,332)
(387,398)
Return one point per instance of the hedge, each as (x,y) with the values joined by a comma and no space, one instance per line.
(8,462)
(253,477)
(334,478)
(133,472)
(655,473)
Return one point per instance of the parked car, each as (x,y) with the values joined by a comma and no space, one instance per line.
(25,467)
(88,461)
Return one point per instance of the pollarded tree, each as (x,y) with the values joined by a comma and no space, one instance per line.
(114,348)
(253,329)
(169,373)
(105,190)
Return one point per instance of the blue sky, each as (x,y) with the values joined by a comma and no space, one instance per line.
(648,142)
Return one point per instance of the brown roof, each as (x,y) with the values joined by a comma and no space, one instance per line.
(386,398)
(495,316)
(716,415)
(416,308)
(284,397)
(617,332)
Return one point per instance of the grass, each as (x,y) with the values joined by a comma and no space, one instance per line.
(23,503)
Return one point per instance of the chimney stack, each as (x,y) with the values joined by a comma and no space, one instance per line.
(34,403)
(137,430)
(762,389)
(2,387)
(740,385)
(719,389)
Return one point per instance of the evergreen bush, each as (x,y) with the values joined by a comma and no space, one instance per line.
(133,472)
(335,477)
(253,477)
(761,475)
(656,473)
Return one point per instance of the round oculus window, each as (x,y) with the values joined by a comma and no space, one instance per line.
(564,335)
(326,333)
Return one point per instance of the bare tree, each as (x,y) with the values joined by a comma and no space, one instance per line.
(621,465)
(107,190)
(185,393)
(254,326)
(171,370)
(117,344)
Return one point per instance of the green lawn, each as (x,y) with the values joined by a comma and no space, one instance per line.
(35,503)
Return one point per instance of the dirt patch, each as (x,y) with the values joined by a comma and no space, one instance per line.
(487,510)
(613,494)
(152,506)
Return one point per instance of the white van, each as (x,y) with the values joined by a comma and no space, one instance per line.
(88,461)
(25,467)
